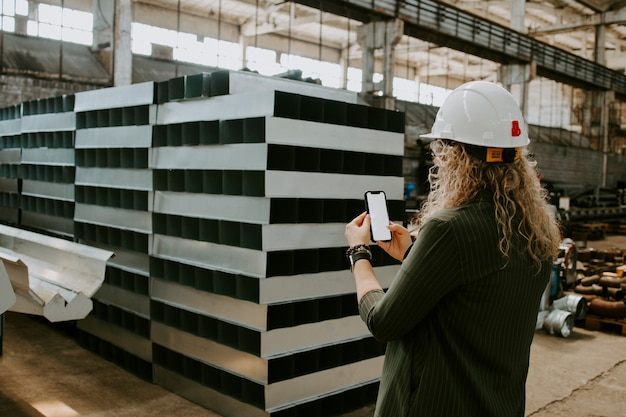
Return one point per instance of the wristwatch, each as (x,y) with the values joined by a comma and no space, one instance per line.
(354,257)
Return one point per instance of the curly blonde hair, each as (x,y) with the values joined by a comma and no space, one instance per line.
(520,200)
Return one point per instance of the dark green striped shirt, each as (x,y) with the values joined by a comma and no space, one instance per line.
(459,320)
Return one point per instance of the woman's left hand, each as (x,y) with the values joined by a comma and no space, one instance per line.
(400,241)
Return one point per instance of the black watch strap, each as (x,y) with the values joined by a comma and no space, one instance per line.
(357,257)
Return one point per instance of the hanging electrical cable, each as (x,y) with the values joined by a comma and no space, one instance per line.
(177,38)
(408,55)
(561,112)
(553,119)
(61,43)
(320,37)
(219,32)
(292,15)
(428,47)
(256,24)
(417,74)
(465,65)
(447,68)
(573,118)
(540,102)
(347,48)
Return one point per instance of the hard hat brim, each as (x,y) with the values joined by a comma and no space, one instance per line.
(429,136)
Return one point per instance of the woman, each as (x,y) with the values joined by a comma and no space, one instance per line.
(460,315)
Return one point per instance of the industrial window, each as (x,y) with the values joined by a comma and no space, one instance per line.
(186,47)
(11,8)
(64,24)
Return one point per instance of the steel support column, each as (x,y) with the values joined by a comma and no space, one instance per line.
(602,101)
(379,35)
(122,53)
(103,24)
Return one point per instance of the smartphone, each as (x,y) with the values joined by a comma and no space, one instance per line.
(376,206)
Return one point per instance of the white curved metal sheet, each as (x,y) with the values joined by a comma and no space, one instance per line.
(7,295)
(51,277)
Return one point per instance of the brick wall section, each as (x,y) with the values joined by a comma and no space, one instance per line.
(616,171)
(559,164)
(17,89)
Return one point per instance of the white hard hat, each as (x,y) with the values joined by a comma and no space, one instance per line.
(483,114)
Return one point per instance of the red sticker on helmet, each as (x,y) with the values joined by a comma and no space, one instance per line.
(515,129)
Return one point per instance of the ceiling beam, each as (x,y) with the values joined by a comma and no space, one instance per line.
(606,18)
(602,5)
(266,20)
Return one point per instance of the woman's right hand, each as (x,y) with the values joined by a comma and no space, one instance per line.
(399,243)
(358,230)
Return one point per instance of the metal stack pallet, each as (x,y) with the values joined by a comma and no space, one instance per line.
(224,197)
(10,156)
(47,165)
(253,310)
(113,212)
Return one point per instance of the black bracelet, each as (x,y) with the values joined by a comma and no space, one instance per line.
(357,256)
(353,249)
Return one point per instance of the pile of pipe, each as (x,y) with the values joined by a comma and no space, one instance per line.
(605,293)
(558,311)
(603,283)
(582,282)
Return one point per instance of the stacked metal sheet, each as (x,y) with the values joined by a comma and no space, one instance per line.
(47,165)
(113,204)
(10,155)
(253,309)
(224,197)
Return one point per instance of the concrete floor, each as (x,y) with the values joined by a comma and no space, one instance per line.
(45,373)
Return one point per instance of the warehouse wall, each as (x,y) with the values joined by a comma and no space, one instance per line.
(558,164)
(616,170)
(577,166)
(15,89)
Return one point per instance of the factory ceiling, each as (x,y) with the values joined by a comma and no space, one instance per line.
(570,25)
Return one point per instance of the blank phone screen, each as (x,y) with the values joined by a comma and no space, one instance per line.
(377,208)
